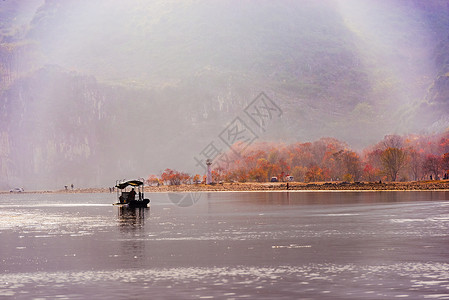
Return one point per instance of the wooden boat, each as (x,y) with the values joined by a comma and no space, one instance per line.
(130,193)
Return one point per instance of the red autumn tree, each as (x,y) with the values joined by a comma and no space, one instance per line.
(432,165)
(153,180)
(173,177)
(314,173)
(196,178)
(370,173)
(352,164)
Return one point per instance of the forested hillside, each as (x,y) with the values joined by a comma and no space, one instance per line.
(93,91)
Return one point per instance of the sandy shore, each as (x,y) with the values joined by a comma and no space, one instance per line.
(281,186)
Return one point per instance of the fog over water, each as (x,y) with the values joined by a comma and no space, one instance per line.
(94,91)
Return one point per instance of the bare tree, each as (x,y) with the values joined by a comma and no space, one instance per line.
(352,164)
(415,164)
(432,165)
(393,160)
(393,141)
(445,162)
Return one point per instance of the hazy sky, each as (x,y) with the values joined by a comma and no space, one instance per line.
(171,76)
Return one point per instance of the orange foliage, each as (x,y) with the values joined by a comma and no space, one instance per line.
(153,180)
(314,173)
(173,177)
(331,159)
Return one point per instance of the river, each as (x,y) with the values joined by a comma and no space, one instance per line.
(226,245)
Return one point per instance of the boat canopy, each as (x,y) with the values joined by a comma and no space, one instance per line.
(123,185)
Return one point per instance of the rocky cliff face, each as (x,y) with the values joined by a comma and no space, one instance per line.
(42,139)
(59,127)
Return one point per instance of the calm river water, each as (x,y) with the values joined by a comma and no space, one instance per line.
(295,245)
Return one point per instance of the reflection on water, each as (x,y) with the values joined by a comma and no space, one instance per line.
(132,217)
(292,245)
(334,198)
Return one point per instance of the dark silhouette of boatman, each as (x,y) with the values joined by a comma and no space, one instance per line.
(132,195)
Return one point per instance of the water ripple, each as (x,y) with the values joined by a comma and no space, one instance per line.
(413,280)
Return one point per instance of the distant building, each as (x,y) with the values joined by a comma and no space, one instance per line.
(209,172)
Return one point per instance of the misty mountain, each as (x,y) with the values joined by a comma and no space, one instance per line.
(93,91)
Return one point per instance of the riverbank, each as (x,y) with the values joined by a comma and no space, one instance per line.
(279,186)
(318,186)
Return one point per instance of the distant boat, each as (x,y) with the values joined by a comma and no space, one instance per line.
(130,193)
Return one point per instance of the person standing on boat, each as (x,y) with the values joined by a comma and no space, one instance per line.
(132,195)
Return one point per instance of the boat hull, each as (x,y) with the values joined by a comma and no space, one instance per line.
(135,203)
(139,203)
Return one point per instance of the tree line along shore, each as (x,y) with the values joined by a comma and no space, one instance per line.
(410,162)
(394,159)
